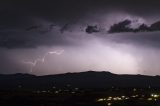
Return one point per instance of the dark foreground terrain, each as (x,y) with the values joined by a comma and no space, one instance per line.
(79,97)
(79,89)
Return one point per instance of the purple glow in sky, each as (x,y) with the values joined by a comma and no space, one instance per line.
(30,39)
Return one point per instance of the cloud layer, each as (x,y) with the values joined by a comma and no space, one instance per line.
(91,32)
(124,26)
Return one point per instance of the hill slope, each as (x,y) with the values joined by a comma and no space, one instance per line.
(88,79)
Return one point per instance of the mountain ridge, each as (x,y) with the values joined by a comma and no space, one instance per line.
(89,79)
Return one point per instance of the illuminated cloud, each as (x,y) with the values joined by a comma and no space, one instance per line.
(29,29)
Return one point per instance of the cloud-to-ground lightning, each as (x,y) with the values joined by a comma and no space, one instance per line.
(34,63)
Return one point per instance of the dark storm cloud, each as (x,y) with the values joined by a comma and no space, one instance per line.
(18,21)
(121,27)
(64,28)
(30,39)
(32,28)
(69,10)
(26,26)
(91,29)
(124,26)
(155,26)
(141,39)
(41,29)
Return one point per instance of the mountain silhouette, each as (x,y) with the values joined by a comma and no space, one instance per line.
(89,79)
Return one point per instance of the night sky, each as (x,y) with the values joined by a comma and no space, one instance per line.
(59,36)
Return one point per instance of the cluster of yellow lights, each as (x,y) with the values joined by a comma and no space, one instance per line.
(134,96)
(155,95)
(119,98)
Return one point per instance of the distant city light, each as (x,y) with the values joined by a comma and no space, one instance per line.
(109,104)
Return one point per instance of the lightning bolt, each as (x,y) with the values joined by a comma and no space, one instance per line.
(34,63)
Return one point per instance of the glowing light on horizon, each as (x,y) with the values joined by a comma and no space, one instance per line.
(108,58)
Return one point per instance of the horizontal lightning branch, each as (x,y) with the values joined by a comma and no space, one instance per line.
(34,63)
